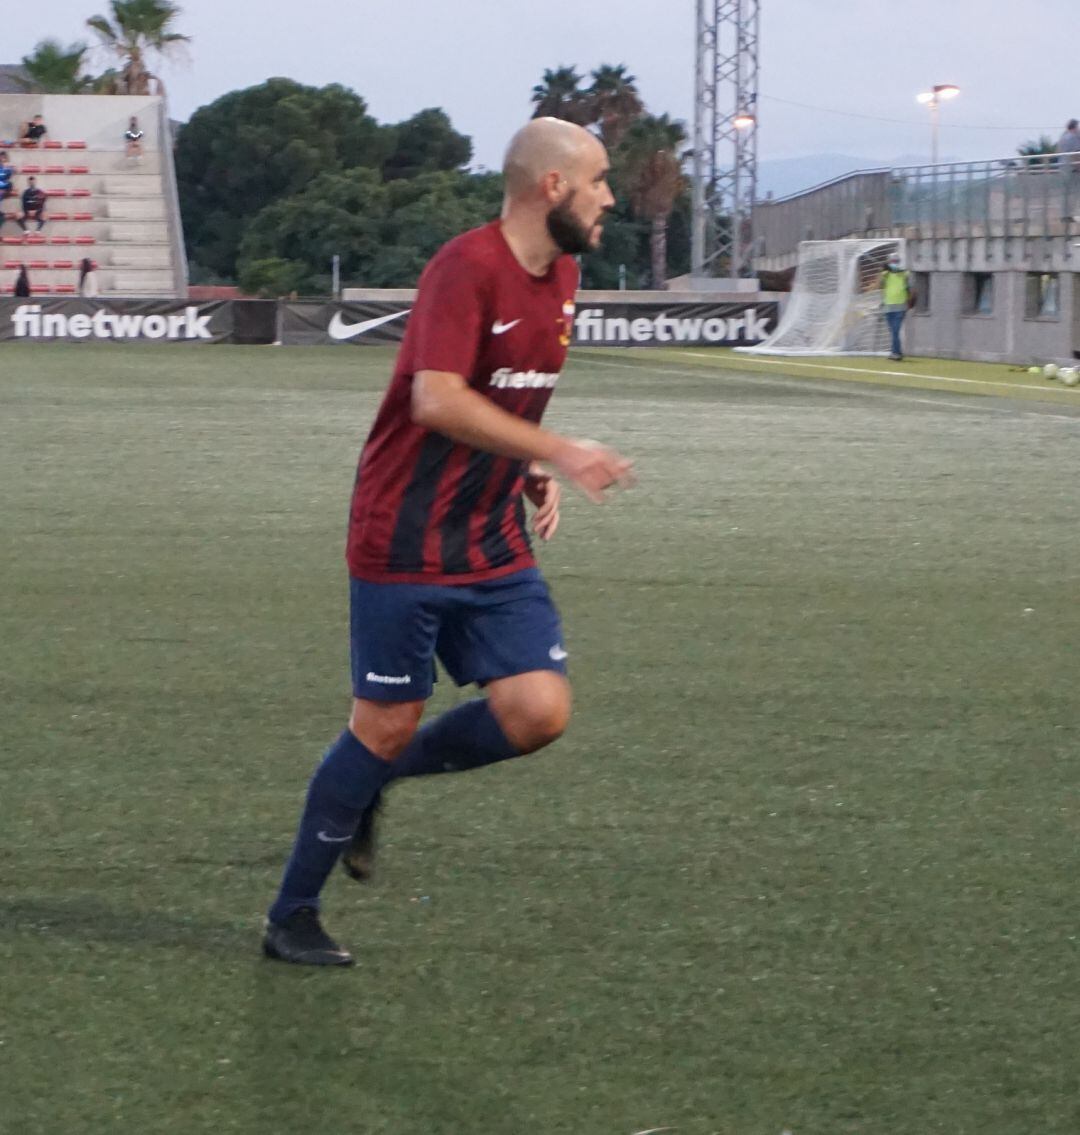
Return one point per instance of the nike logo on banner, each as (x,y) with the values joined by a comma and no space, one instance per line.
(498,328)
(339,329)
(333,838)
(557,654)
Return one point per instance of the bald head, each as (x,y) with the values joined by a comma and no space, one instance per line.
(543,146)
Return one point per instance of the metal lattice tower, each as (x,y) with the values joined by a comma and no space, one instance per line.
(725,136)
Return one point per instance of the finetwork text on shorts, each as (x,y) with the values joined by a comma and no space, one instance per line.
(30,323)
(390,679)
(592,325)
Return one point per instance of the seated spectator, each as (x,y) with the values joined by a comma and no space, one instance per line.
(88,283)
(33,203)
(133,136)
(34,130)
(7,172)
(22,284)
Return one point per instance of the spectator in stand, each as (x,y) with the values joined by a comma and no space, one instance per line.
(7,189)
(33,203)
(133,136)
(1069,143)
(7,172)
(34,130)
(88,282)
(22,284)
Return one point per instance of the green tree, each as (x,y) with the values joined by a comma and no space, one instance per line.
(652,171)
(559,95)
(138,28)
(426,143)
(384,231)
(56,70)
(1037,151)
(614,102)
(256,146)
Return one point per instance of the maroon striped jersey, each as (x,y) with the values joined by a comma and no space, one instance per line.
(426,509)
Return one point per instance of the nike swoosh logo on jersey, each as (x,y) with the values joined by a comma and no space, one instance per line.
(499,328)
(339,329)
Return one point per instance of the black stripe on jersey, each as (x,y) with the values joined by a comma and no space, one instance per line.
(455,527)
(407,544)
(523,522)
(493,545)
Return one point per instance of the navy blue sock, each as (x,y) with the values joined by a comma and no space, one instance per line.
(465,737)
(348,779)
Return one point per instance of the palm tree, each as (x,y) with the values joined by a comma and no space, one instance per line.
(614,102)
(53,69)
(654,179)
(1038,152)
(559,95)
(137,28)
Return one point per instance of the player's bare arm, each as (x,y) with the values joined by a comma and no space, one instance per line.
(445,403)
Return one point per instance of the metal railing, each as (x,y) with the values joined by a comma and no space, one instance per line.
(1032,196)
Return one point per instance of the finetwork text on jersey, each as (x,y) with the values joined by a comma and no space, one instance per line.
(30,323)
(592,325)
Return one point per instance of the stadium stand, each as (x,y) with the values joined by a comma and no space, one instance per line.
(121,212)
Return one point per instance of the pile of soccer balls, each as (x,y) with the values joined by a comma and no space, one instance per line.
(1068,375)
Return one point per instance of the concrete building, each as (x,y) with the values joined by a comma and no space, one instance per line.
(994,245)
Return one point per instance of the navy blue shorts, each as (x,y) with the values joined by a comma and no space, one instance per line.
(479,632)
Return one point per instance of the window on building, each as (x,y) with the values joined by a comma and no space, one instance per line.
(921,282)
(980,293)
(1042,295)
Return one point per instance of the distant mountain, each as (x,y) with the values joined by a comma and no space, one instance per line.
(781,176)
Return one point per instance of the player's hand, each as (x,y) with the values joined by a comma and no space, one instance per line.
(545,492)
(593,468)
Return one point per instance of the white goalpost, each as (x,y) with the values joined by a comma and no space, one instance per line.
(835,304)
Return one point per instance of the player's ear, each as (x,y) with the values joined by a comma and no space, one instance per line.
(554,186)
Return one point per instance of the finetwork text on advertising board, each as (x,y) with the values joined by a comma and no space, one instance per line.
(30,323)
(593,325)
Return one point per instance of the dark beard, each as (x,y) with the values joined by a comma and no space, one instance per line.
(566,230)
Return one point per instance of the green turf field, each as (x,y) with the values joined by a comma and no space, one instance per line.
(806,860)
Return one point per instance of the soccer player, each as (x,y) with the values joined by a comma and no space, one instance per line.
(439,557)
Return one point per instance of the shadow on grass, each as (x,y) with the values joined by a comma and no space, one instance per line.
(87,918)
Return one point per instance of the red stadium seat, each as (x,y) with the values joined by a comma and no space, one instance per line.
(50,145)
(12,265)
(54,169)
(82,216)
(64,289)
(30,169)
(82,193)
(77,169)
(40,289)
(63,264)
(85,240)
(56,192)
(11,240)
(58,216)
(27,144)
(37,265)
(60,240)
(35,238)
(76,145)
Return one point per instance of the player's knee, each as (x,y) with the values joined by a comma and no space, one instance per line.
(385,728)
(538,723)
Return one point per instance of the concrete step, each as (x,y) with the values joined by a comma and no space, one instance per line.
(134,209)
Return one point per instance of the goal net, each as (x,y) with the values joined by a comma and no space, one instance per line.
(835,304)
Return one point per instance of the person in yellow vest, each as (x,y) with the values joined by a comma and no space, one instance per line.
(897,295)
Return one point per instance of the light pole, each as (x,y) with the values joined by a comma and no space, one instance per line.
(933,99)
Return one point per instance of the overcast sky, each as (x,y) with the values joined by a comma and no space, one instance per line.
(479,59)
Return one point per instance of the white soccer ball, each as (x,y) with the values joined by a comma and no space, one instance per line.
(1034,370)
(1069,376)
(1050,370)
